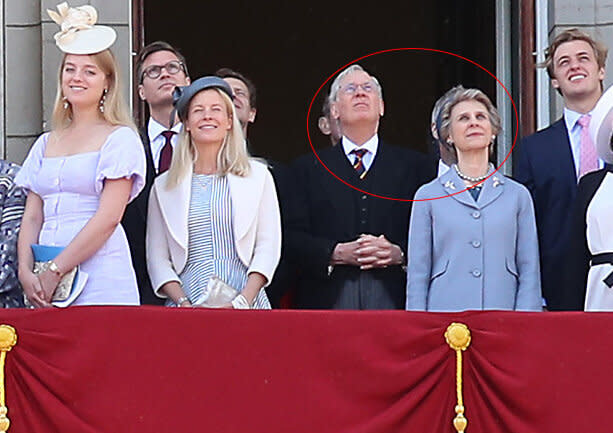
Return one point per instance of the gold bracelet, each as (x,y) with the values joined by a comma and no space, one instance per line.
(53,267)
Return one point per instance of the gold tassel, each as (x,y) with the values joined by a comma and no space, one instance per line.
(458,338)
(8,338)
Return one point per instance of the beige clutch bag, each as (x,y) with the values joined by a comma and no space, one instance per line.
(64,287)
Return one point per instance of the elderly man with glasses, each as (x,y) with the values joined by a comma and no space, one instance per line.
(160,68)
(348,239)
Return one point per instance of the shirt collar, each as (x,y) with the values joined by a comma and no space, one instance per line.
(371,145)
(571,117)
(155,128)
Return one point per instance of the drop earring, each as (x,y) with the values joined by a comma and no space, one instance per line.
(102,100)
(65,103)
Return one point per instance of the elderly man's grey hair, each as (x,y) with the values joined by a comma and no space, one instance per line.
(336,84)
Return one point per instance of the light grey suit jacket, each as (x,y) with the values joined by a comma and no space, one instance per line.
(473,255)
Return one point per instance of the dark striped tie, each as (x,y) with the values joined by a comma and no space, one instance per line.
(358,164)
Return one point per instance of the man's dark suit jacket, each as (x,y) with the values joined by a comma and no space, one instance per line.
(324,212)
(284,277)
(546,167)
(134,223)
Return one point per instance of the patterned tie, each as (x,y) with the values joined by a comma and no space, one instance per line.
(588,158)
(358,164)
(166,154)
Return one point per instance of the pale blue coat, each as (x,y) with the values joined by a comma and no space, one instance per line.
(467,255)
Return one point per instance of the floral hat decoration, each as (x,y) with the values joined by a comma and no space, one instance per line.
(79,34)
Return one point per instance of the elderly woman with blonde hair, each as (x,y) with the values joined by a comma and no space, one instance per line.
(214,214)
(472,234)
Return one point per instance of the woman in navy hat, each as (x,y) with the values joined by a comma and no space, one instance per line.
(81,175)
(214,215)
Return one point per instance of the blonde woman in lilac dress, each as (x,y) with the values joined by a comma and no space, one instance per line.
(81,175)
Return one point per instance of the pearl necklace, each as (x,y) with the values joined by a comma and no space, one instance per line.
(470,178)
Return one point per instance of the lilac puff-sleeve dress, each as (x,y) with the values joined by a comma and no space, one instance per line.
(70,187)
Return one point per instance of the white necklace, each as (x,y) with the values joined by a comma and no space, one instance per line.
(470,178)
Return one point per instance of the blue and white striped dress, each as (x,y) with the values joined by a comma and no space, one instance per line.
(211,249)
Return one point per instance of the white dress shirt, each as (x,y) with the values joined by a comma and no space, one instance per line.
(157,140)
(442,168)
(571,119)
(371,146)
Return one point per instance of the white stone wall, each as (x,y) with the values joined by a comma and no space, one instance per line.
(592,16)
(31,62)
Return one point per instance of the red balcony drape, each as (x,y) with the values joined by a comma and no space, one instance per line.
(154,369)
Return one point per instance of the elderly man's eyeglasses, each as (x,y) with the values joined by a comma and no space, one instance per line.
(155,71)
(351,88)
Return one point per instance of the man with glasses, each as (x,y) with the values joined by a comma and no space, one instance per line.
(351,245)
(160,68)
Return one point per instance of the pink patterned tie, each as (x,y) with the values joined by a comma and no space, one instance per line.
(588,158)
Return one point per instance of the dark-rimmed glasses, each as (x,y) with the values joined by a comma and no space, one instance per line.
(155,71)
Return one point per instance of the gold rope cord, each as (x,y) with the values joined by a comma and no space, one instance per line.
(458,338)
(8,338)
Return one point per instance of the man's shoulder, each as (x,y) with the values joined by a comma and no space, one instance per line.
(419,166)
(554,131)
(144,134)
(401,153)
(311,159)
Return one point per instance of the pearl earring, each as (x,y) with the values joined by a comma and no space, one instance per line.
(102,100)
(65,103)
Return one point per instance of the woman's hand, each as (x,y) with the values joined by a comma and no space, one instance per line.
(48,282)
(33,289)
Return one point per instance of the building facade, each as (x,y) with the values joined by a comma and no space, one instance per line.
(29,59)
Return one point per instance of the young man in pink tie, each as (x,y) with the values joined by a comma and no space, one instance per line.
(552,161)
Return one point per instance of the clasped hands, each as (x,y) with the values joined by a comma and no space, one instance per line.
(39,288)
(367,252)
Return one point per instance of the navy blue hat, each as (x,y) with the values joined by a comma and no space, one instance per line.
(182,95)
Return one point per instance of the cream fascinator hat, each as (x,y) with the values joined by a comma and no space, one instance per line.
(601,126)
(78,33)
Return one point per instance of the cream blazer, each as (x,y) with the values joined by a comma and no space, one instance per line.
(255,218)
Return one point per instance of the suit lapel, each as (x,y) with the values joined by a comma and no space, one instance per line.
(564,154)
(245,194)
(452,184)
(150,176)
(174,204)
(492,188)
